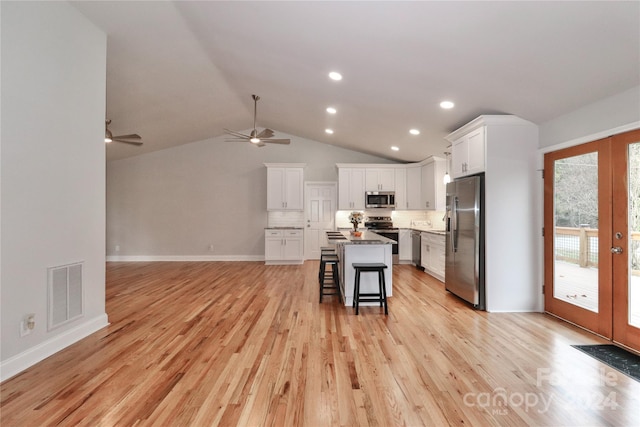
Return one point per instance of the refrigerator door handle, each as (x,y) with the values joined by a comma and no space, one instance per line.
(454,224)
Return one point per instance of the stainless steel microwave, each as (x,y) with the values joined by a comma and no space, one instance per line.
(380,199)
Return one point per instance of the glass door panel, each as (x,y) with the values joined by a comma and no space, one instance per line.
(634,234)
(576,230)
(577,223)
(625,242)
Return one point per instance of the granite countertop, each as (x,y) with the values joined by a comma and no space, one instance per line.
(425,229)
(367,238)
(432,231)
(284,228)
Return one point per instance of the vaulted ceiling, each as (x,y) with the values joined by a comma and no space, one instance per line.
(179,72)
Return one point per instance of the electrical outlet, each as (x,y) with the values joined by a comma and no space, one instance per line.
(27,324)
(210,248)
(117,248)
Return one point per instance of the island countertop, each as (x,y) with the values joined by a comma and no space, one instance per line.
(367,237)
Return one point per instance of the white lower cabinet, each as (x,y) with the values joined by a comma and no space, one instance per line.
(283,246)
(432,254)
(404,246)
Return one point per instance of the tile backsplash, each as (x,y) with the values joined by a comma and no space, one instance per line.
(285,219)
(401,219)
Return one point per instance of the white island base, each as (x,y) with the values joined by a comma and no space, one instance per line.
(351,252)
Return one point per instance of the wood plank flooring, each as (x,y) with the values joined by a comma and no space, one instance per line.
(240,343)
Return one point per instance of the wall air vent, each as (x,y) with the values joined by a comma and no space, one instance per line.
(65,293)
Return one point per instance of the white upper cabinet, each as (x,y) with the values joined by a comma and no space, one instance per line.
(351,188)
(468,153)
(285,187)
(433,187)
(414,187)
(382,179)
(401,189)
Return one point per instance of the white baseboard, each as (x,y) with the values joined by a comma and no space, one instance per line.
(18,363)
(152,258)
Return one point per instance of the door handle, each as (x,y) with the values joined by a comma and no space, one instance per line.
(454,225)
(617,250)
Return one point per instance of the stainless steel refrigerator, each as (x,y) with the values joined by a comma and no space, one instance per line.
(464,262)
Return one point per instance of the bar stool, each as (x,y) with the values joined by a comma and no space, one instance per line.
(334,278)
(380,296)
(324,250)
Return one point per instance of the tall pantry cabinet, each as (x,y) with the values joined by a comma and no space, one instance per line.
(504,147)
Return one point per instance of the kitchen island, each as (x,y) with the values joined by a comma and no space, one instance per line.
(367,248)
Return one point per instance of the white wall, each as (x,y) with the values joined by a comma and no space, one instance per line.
(52,172)
(174,203)
(593,121)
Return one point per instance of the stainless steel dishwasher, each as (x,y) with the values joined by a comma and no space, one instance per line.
(416,244)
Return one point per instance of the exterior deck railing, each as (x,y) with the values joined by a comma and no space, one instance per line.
(580,246)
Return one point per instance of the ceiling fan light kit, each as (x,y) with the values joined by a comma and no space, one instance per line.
(257,138)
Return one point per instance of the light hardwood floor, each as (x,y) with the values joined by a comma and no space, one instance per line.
(240,343)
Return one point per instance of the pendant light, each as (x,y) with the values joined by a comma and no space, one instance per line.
(447,177)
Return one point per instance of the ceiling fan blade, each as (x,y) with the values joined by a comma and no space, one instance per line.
(238,134)
(131,136)
(266,133)
(128,142)
(277,141)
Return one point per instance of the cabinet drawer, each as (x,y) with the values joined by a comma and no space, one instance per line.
(293,233)
(273,233)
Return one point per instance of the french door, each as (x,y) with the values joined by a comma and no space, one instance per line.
(592,236)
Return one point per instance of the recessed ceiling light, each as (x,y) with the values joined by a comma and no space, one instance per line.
(414,132)
(394,148)
(334,75)
(331,110)
(446,105)
(329,131)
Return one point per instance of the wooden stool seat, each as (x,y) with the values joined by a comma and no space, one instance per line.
(380,296)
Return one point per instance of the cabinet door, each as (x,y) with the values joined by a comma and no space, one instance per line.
(351,188)
(401,189)
(404,245)
(459,154)
(387,179)
(344,189)
(414,188)
(293,248)
(275,188)
(425,260)
(475,151)
(428,186)
(293,189)
(357,189)
(371,180)
(438,258)
(273,248)
(382,179)
(468,153)
(440,188)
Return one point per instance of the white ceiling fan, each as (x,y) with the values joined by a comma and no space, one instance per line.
(133,139)
(258,138)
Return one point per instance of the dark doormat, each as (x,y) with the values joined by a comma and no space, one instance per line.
(616,357)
